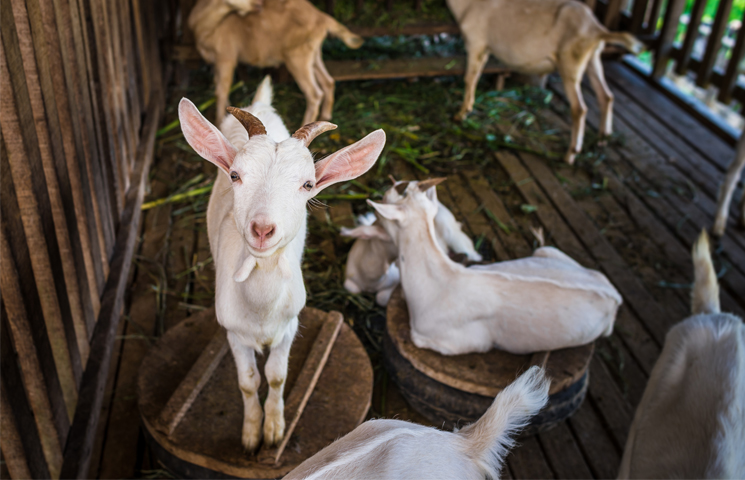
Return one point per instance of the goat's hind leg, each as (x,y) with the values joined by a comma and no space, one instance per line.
(602,92)
(276,374)
(327,84)
(300,65)
(224,71)
(571,69)
(727,189)
(477,58)
(249,380)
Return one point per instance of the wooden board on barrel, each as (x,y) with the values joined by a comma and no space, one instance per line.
(192,408)
(456,390)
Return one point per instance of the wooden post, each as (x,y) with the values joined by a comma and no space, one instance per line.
(733,67)
(713,44)
(697,13)
(667,36)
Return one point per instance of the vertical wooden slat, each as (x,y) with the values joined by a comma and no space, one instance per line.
(697,13)
(667,36)
(70,216)
(35,209)
(10,441)
(733,67)
(70,119)
(653,13)
(141,51)
(11,385)
(613,14)
(97,79)
(713,43)
(28,360)
(638,15)
(87,127)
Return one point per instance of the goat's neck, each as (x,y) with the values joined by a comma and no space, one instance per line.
(207,15)
(458,8)
(420,256)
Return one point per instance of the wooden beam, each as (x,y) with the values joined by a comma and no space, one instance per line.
(697,13)
(667,36)
(713,44)
(729,82)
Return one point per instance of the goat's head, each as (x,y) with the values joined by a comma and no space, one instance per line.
(405,202)
(273,182)
(244,7)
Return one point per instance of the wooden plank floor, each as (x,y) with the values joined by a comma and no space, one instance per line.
(649,196)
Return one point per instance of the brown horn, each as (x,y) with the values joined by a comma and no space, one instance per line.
(393,179)
(401,187)
(252,124)
(425,185)
(308,132)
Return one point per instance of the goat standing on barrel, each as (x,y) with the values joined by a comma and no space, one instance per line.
(268,34)
(256,222)
(537,37)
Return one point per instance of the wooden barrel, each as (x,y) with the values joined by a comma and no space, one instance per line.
(206,442)
(454,390)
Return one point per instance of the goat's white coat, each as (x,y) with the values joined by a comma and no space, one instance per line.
(388,449)
(371,263)
(259,289)
(544,302)
(690,422)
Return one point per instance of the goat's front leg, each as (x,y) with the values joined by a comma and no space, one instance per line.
(276,374)
(224,70)
(326,82)
(727,189)
(477,58)
(300,65)
(249,380)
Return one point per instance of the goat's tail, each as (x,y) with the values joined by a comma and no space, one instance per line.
(265,92)
(705,293)
(624,39)
(344,34)
(490,438)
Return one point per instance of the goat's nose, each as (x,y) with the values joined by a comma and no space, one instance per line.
(262,231)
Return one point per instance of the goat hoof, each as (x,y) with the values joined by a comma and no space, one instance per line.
(570,157)
(460,116)
(718,229)
(274,430)
(251,438)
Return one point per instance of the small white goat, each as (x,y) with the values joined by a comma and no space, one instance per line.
(537,37)
(268,33)
(544,302)
(256,221)
(727,189)
(690,422)
(388,449)
(371,263)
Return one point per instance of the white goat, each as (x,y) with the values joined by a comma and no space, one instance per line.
(544,302)
(268,33)
(690,422)
(727,189)
(371,263)
(387,449)
(537,37)
(256,221)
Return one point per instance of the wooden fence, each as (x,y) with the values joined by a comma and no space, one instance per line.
(82,95)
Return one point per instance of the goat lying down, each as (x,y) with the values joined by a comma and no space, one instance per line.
(256,222)
(371,263)
(538,37)
(387,449)
(268,33)
(543,302)
(690,422)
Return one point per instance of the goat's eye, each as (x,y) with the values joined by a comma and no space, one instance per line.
(234,176)
(308,185)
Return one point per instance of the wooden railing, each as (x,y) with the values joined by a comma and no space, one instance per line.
(642,18)
(81,100)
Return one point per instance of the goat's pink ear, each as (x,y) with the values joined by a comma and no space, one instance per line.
(350,162)
(366,232)
(390,211)
(205,138)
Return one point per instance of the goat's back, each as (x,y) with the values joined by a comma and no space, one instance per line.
(690,422)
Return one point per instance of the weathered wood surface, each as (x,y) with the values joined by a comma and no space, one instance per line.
(209,435)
